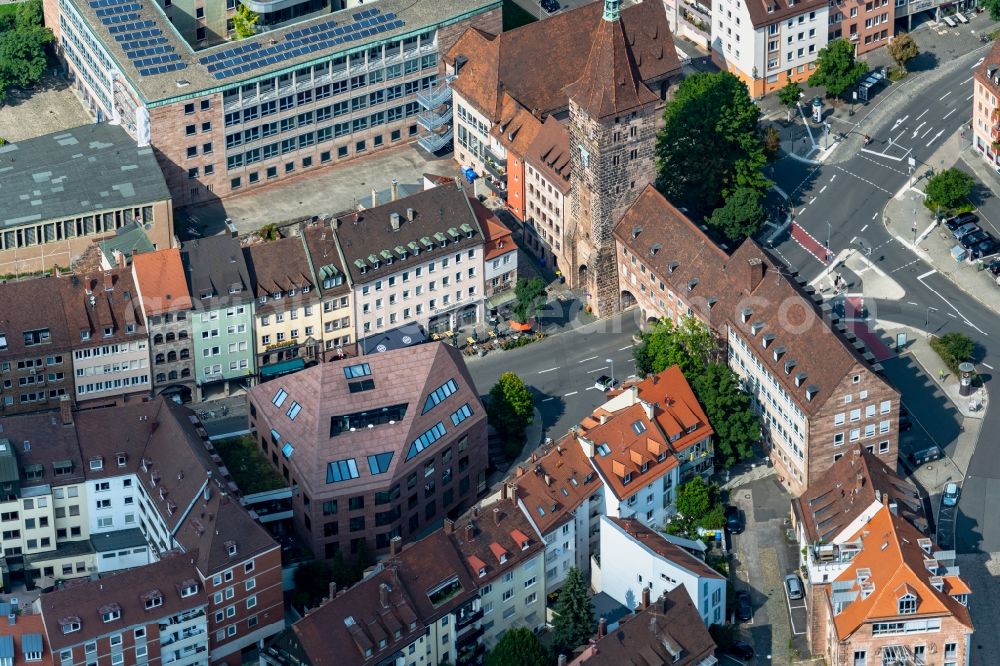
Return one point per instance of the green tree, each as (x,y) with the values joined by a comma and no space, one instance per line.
(530,295)
(954,348)
(312,583)
(710,143)
(510,408)
(694,499)
(689,345)
(836,68)
(729,409)
(789,96)
(993,6)
(903,48)
(772,142)
(574,614)
(948,189)
(23,41)
(245,22)
(740,217)
(518,647)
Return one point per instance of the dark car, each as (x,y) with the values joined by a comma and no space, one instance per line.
(957,221)
(549,5)
(994,266)
(985,248)
(964,230)
(741,650)
(744,611)
(975,238)
(734,520)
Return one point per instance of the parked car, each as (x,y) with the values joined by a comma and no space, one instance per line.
(985,248)
(975,238)
(734,520)
(740,650)
(959,220)
(549,5)
(961,231)
(793,587)
(744,610)
(994,266)
(604,383)
(926,455)
(950,497)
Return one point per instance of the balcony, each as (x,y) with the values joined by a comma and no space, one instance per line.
(464,619)
(491,156)
(434,142)
(498,187)
(471,656)
(469,637)
(436,96)
(499,171)
(431,120)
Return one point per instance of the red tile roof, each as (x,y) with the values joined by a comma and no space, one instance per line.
(553,483)
(160,279)
(497,237)
(549,154)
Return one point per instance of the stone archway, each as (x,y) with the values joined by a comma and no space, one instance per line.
(581,274)
(627,300)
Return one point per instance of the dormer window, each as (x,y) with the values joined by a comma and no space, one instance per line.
(745,315)
(767,339)
(84,335)
(799,378)
(69,624)
(96,463)
(789,364)
(627,479)
(482,572)
(291,292)
(778,352)
(645,466)
(152,599)
(811,391)
(907,604)
(189,590)
(756,327)
(276,295)
(111,612)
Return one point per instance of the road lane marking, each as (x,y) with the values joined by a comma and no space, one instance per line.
(978,62)
(590,372)
(949,304)
(547,399)
(896,140)
(968,98)
(967,80)
(542,372)
(917,131)
(929,130)
(875,215)
(921,115)
(570,393)
(944,95)
(626,347)
(863,228)
(951,315)
(832,177)
(948,114)
(823,189)
(812,200)
(911,303)
(587,359)
(851,242)
(927,274)
(899,122)
(987,365)
(934,138)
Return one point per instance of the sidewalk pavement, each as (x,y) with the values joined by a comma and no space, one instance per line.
(907,219)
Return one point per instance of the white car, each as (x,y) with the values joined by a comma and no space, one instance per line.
(950,497)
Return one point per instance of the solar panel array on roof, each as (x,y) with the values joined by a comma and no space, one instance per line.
(143,43)
(233,61)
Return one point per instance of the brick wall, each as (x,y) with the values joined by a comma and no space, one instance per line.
(490,21)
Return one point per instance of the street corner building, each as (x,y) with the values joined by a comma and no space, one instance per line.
(603,73)
(879,590)
(321,85)
(61,192)
(816,386)
(985,108)
(380,447)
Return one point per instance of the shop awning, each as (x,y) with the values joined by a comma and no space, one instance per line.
(282,368)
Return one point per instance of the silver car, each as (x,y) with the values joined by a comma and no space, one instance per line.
(793,587)
(965,230)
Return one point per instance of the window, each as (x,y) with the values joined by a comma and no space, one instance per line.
(379,464)
(907,604)
(341,470)
(279,397)
(439,394)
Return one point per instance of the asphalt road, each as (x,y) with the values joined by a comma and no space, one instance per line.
(841,204)
(561,369)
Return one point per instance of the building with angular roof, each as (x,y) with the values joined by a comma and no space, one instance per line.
(605,75)
(499,256)
(900,600)
(23,639)
(336,302)
(380,446)
(667,631)
(166,305)
(653,432)
(71,188)
(812,405)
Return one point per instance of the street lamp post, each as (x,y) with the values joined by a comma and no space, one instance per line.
(927,318)
(829,250)
(612,362)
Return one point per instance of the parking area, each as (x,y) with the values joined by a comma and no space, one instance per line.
(798,614)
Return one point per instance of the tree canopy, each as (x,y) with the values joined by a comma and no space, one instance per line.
(245,22)
(510,408)
(730,411)
(530,295)
(740,217)
(698,505)
(23,39)
(790,95)
(689,345)
(954,348)
(573,624)
(903,48)
(836,68)
(710,143)
(994,8)
(518,647)
(948,189)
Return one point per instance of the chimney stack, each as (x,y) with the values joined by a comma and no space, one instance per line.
(562,660)
(755,273)
(449,526)
(410,214)
(496,515)
(383,595)
(394,221)
(394,188)
(374,198)
(470,532)
(395,545)
(333,589)
(645,598)
(475,510)
(66,410)
(503,491)
(602,628)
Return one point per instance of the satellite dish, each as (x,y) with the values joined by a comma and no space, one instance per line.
(407,339)
(381,348)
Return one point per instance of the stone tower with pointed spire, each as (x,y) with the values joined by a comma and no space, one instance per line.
(613,120)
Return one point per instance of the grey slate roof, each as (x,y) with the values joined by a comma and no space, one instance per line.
(106,542)
(130,239)
(216,263)
(418,16)
(82,170)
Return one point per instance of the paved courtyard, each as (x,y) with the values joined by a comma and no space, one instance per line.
(322,191)
(51,108)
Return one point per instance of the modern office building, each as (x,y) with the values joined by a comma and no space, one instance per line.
(813,407)
(768,43)
(166,307)
(223,299)
(68,189)
(418,259)
(237,115)
(380,446)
